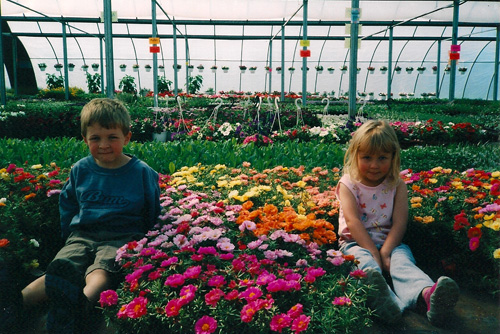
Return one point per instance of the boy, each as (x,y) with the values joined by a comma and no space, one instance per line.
(110,199)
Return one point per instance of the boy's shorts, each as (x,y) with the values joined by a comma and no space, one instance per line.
(89,250)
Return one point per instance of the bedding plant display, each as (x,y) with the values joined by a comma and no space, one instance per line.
(240,249)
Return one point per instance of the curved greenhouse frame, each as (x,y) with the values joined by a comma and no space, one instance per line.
(453,37)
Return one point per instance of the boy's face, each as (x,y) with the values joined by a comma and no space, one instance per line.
(106,145)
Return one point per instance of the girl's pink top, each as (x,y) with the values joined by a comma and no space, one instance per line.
(375,206)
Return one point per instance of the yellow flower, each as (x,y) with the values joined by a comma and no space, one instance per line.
(489,217)
(416,205)
(5,176)
(457,185)
(437,169)
(428,219)
(222,183)
(447,171)
(496,174)
(301,210)
(301,184)
(41,177)
(496,253)
(232,194)
(416,200)
(38,166)
(433,180)
(219,166)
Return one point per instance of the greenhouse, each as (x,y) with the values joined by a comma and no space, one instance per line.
(249,166)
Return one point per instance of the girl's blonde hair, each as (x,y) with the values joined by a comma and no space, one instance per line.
(106,112)
(373,136)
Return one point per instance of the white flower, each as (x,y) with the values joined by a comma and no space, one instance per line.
(35,243)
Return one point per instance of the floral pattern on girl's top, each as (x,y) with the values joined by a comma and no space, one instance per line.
(375,206)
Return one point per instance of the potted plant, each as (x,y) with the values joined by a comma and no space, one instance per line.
(278,69)
(358,69)
(268,69)
(447,69)
(123,67)
(343,68)
(225,69)
(71,66)
(291,69)
(85,67)
(95,66)
(434,69)
(421,69)
(331,69)
(383,69)
(371,69)
(58,66)
(243,68)
(319,68)
(370,95)
(462,70)
(383,96)
(409,69)
(397,69)
(214,68)
(161,68)
(200,68)
(178,67)
(302,69)
(253,69)
(190,68)
(42,66)
(147,67)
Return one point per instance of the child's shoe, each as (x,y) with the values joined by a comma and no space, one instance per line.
(380,298)
(440,300)
(64,287)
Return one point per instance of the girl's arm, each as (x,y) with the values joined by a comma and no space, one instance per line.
(399,224)
(358,231)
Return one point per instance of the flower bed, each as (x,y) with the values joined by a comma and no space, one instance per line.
(237,249)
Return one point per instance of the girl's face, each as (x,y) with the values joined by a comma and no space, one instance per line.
(106,145)
(373,167)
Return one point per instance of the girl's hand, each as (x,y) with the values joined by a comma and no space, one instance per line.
(386,261)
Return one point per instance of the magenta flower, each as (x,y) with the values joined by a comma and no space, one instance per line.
(192,272)
(217,281)
(175,280)
(279,322)
(342,301)
(207,250)
(357,274)
(300,323)
(187,293)
(173,307)
(169,262)
(205,325)
(295,311)
(137,308)
(251,294)
(213,297)
(108,298)
(248,311)
(473,243)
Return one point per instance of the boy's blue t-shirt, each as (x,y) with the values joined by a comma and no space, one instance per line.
(126,199)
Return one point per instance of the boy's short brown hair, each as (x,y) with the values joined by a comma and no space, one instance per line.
(106,112)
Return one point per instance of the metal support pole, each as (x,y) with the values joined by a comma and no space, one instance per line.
(3,92)
(101,56)
(454,34)
(176,89)
(304,59)
(108,33)
(65,62)
(353,59)
(270,72)
(389,64)
(14,65)
(497,64)
(283,63)
(438,70)
(155,55)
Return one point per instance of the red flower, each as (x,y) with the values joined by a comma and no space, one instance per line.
(460,221)
(474,232)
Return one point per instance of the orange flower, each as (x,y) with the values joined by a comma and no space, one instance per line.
(247,205)
(4,243)
(30,196)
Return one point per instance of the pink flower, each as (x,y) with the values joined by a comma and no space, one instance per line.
(169,262)
(358,274)
(108,298)
(187,293)
(175,280)
(295,311)
(207,250)
(248,311)
(231,295)
(217,281)
(137,308)
(251,294)
(192,272)
(341,301)
(473,243)
(213,296)
(173,307)
(300,323)
(279,322)
(205,325)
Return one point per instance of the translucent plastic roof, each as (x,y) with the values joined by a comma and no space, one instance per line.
(237,42)
(470,11)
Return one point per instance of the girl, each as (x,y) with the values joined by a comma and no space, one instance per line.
(372,223)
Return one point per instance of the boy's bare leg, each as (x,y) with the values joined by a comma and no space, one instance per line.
(34,293)
(96,282)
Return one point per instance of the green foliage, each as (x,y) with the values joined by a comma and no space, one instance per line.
(163,84)
(53,81)
(94,83)
(194,84)
(127,85)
